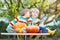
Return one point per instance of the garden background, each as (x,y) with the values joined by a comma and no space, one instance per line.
(49,11)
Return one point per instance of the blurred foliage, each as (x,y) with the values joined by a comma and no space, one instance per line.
(3,26)
(12,8)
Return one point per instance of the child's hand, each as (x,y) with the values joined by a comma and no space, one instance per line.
(37,21)
(17,29)
(24,29)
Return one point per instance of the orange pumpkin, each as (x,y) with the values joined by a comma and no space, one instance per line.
(32,29)
(19,25)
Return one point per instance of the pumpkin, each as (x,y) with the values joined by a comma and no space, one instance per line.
(32,29)
(19,25)
(18,30)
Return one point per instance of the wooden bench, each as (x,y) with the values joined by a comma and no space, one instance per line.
(24,34)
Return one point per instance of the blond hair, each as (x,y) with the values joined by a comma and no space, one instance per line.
(34,10)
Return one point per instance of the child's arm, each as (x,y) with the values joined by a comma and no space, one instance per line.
(38,20)
(14,21)
(30,21)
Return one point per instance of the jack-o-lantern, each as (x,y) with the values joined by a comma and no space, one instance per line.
(32,29)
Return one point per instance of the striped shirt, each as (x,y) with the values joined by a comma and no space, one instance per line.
(18,19)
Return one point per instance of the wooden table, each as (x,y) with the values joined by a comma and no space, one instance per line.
(8,34)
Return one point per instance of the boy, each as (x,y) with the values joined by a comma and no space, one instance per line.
(35,21)
(22,19)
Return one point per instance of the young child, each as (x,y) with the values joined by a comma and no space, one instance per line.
(25,14)
(35,21)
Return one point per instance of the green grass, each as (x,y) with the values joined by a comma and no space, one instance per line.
(10,39)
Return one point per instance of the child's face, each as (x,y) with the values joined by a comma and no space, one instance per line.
(34,14)
(27,14)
